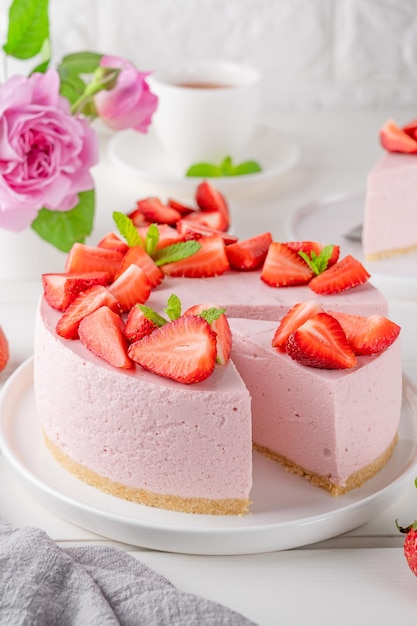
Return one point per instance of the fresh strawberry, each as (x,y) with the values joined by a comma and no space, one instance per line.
(249,253)
(138,218)
(320,342)
(183,350)
(167,235)
(210,199)
(210,260)
(131,287)
(182,208)
(111,241)
(193,229)
(137,255)
(211,219)
(367,335)
(314,246)
(284,267)
(295,317)
(4,350)
(221,327)
(411,129)
(137,325)
(85,303)
(154,210)
(343,275)
(101,332)
(60,289)
(83,258)
(410,545)
(395,139)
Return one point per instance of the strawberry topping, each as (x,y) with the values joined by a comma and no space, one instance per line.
(222,329)
(343,275)
(295,317)
(101,332)
(210,260)
(84,304)
(249,254)
(83,258)
(60,289)
(131,287)
(284,267)
(367,335)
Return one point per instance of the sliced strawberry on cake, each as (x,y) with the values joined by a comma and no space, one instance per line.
(60,289)
(295,317)
(219,323)
(249,254)
(101,332)
(182,208)
(138,325)
(194,229)
(84,304)
(83,258)
(284,267)
(112,241)
(130,287)
(313,249)
(167,235)
(395,139)
(209,260)
(343,275)
(136,255)
(212,200)
(367,335)
(183,350)
(154,210)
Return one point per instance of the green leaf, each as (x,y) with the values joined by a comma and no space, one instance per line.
(247,167)
(318,263)
(204,170)
(63,228)
(152,315)
(28,28)
(173,308)
(176,252)
(212,314)
(127,229)
(71,85)
(226,168)
(84,62)
(151,239)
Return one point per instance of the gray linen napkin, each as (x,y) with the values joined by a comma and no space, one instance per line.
(44,585)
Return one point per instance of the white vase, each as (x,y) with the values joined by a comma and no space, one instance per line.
(25,256)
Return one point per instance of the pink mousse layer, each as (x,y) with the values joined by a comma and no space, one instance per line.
(139,429)
(390,216)
(330,422)
(244,294)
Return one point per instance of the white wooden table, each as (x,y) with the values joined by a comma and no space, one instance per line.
(358,577)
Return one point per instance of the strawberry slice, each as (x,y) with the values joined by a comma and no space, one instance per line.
(137,255)
(137,325)
(367,335)
(83,258)
(194,229)
(284,267)
(295,317)
(60,289)
(101,332)
(210,260)
(84,304)
(314,246)
(321,342)
(167,235)
(4,350)
(395,139)
(111,241)
(411,129)
(221,327)
(210,219)
(131,287)
(249,253)
(153,210)
(210,199)
(138,218)
(345,274)
(182,208)
(183,350)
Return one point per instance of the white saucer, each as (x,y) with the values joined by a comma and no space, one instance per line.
(287,511)
(328,219)
(143,155)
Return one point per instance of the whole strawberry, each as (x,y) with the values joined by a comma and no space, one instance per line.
(410,545)
(4,350)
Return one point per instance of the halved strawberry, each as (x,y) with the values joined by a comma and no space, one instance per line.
(367,335)
(137,325)
(210,260)
(210,199)
(167,235)
(321,342)
(4,350)
(220,326)
(138,218)
(83,258)
(343,275)
(249,253)
(111,241)
(85,303)
(138,256)
(295,317)
(154,210)
(411,129)
(395,139)
(182,208)
(284,267)
(193,229)
(60,289)
(314,246)
(211,219)
(183,350)
(131,287)
(101,332)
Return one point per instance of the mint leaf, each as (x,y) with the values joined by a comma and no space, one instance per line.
(212,314)
(247,167)
(318,263)
(176,252)
(152,315)
(63,228)
(28,28)
(173,308)
(204,170)
(127,229)
(151,239)
(226,168)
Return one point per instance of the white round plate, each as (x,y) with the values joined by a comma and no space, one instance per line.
(143,155)
(328,219)
(287,511)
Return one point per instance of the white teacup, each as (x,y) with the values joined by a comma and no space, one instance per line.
(207,110)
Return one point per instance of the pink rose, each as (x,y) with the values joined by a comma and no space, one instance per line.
(45,152)
(130,104)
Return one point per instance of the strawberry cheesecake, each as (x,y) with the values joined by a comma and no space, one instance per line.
(159,365)
(390,217)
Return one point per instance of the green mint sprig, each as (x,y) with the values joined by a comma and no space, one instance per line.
(173,311)
(225,168)
(212,314)
(176,252)
(318,262)
(127,229)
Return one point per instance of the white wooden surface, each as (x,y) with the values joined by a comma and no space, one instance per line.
(358,577)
